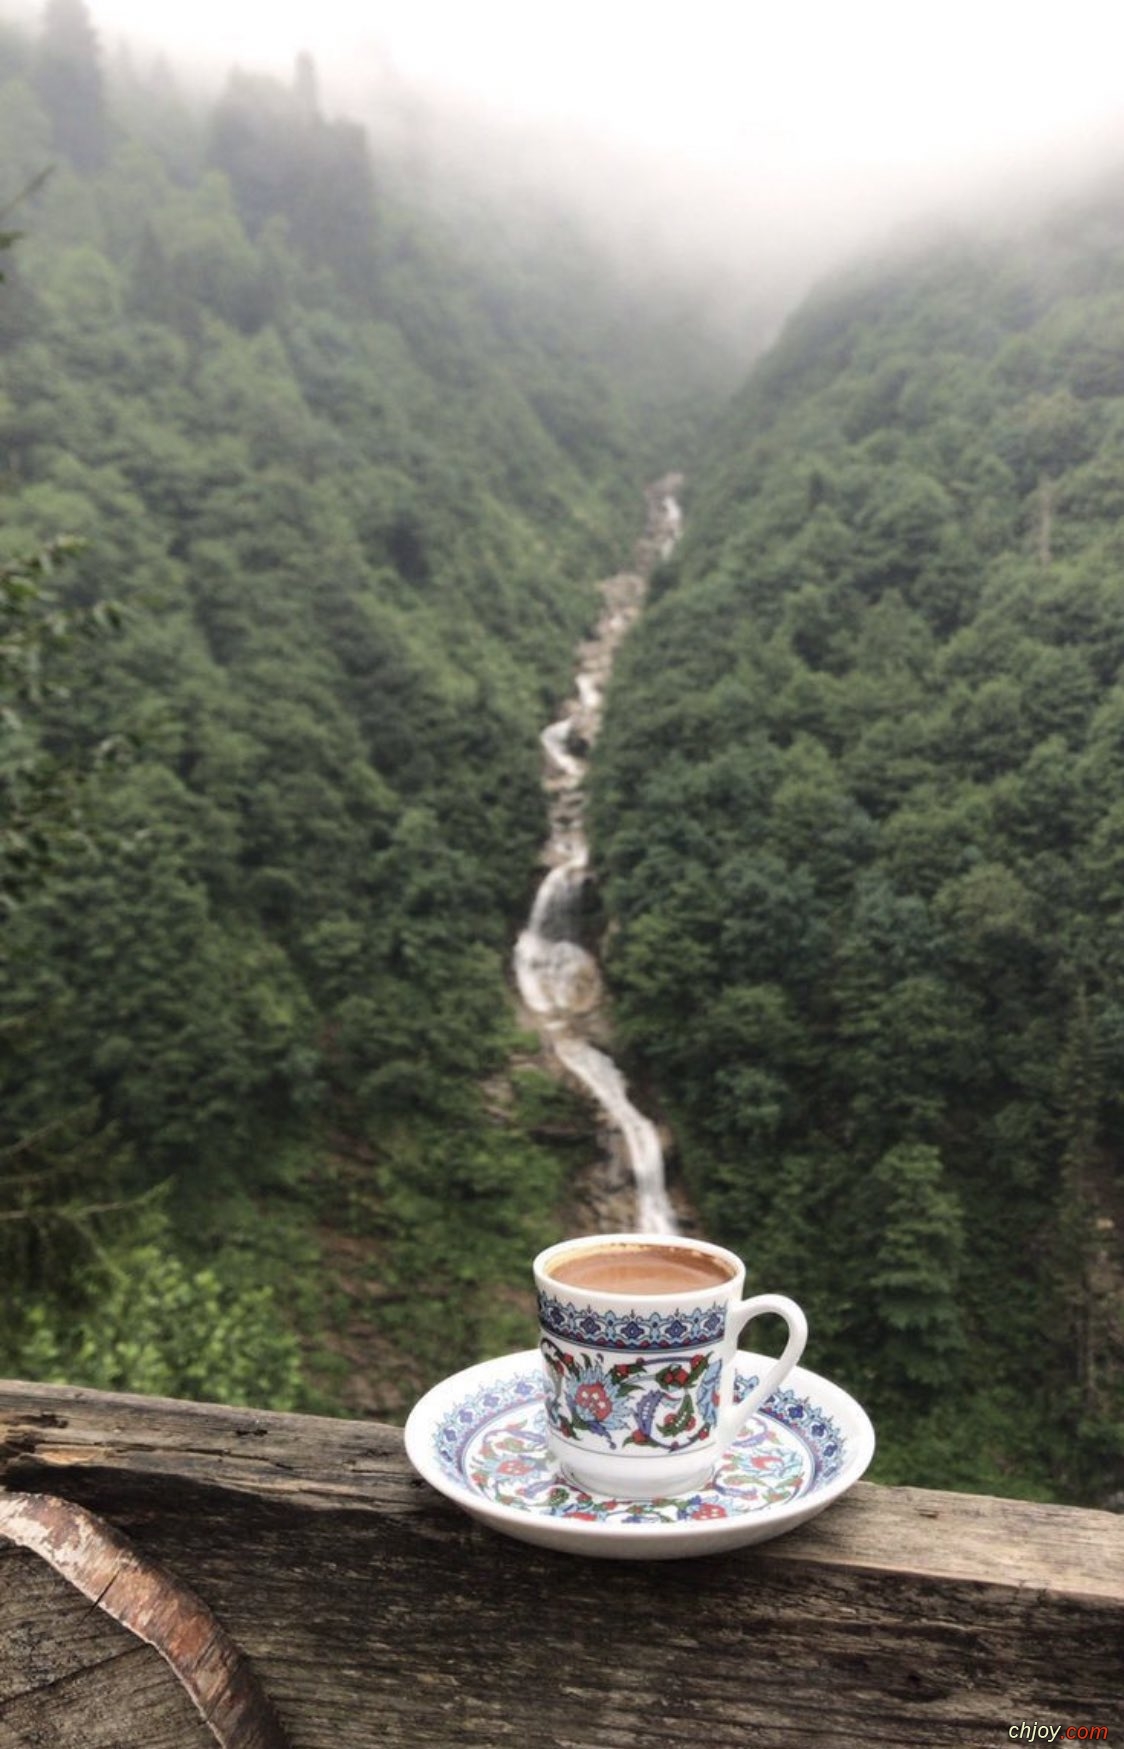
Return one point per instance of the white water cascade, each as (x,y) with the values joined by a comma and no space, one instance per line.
(558,979)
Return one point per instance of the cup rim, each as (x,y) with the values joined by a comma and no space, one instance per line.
(678,1241)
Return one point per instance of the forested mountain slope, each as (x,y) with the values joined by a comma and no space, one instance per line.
(859,809)
(351,466)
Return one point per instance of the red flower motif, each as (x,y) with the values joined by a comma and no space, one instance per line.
(709,1511)
(514,1467)
(594,1400)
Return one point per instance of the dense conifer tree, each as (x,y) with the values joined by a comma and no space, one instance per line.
(69,80)
(856,805)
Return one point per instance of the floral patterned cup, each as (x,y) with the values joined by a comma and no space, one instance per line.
(640,1385)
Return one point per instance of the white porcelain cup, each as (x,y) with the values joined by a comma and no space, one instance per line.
(640,1383)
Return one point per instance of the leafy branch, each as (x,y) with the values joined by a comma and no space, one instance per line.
(7,238)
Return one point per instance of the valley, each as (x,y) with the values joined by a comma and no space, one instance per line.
(327,972)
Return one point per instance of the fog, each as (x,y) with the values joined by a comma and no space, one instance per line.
(750,147)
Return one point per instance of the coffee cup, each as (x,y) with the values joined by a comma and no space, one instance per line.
(638,1335)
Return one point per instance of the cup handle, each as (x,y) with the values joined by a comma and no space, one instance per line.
(735,1415)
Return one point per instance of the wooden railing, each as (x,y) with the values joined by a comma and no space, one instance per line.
(290,1580)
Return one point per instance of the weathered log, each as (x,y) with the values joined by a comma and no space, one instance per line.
(155,1606)
(373,1612)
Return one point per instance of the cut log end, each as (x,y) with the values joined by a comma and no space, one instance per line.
(153,1605)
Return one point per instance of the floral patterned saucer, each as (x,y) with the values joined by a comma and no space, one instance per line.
(480,1438)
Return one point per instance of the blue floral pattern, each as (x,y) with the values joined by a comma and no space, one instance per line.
(494,1445)
(631,1330)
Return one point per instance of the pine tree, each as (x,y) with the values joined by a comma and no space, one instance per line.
(917,1247)
(68,78)
(1087,1286)
(306,84)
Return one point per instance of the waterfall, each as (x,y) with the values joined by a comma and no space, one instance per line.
(558,979)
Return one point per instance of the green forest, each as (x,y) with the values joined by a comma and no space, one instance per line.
(307,482)
(860,826)
(308,472)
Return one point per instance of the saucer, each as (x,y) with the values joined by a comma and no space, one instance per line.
(480,1438)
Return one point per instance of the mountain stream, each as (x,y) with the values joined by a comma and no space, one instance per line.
(558,979)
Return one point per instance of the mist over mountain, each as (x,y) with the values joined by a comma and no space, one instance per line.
(744,151)
(739,154)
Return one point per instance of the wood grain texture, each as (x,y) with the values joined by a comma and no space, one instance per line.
(374,1612)
(72,1678)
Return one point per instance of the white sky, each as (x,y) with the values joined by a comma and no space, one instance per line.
(813,80)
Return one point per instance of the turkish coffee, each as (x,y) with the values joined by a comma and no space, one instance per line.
(641,1270)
